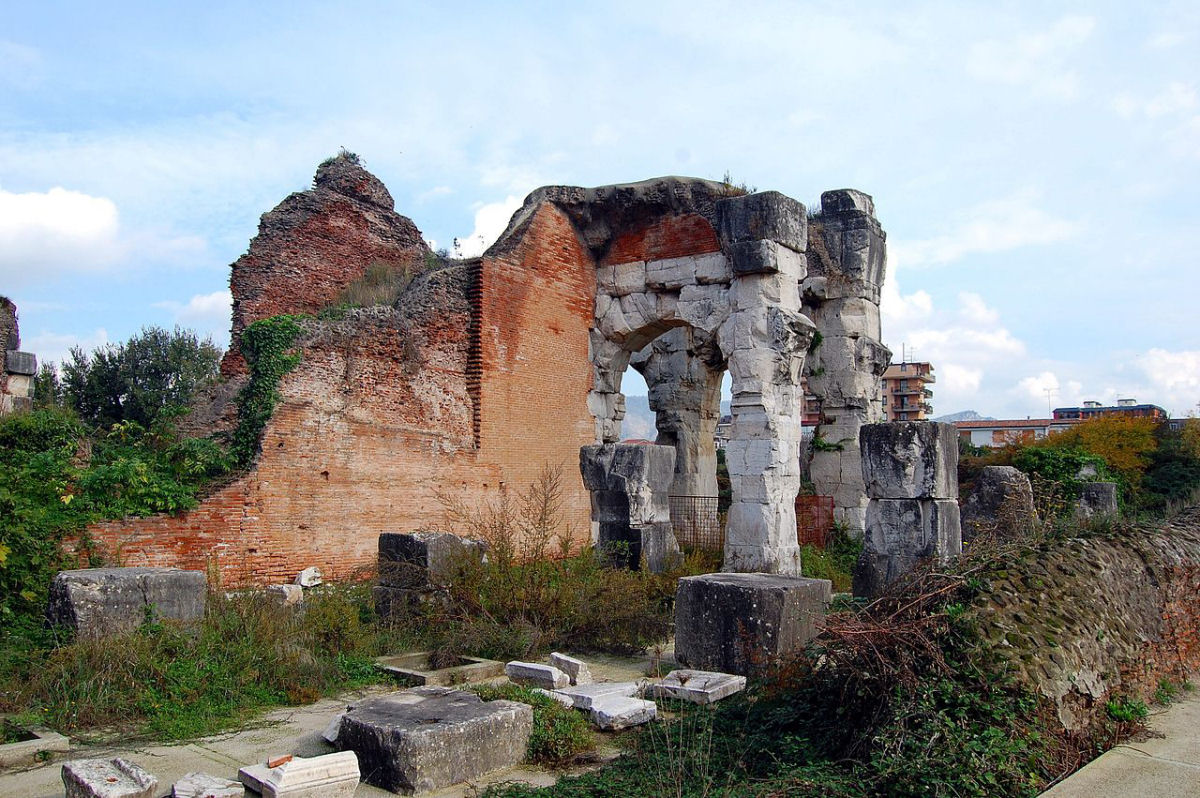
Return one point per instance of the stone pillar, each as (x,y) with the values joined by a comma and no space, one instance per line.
(685,395)
(630,485)
(846,265)
(764,340)
(910,469)
(17,369)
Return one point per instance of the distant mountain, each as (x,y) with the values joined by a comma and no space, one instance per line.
(965,415)
(639,418)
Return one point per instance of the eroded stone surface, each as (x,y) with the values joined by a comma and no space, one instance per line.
(421,560)
(202,785)
(900,533)
(1097,500)
(101,601)
(584,696)
(738,623)
(630,487)
(536,674)
(615,712)
(698,687)
(328,776)
(910,460)
(576,669)
(1000,506)
(431,737)
(107,778)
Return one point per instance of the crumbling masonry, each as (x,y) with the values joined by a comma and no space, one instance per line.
(486,370)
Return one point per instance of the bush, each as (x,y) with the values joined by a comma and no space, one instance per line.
(170,682)
(560,733)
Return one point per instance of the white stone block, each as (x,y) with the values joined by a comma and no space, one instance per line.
(202,785)
(612,713)
(577,669)
(629,278)
(285,595)
(611,322)
(713,268)
(606,278)
(698,687)
(534,673)
(328,776)
(309,577)
(107,778)
(584,696)
(555,695)
(671,273)
(639,309)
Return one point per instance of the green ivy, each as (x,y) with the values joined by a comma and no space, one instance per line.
(266,345)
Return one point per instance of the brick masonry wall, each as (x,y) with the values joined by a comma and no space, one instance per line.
(473,384)
(1090,618)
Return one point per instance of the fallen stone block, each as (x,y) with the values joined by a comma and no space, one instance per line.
(285,595)
(910,460)
(202,785)
(615,712)
(328,776)
(309,577)
(431,737)
(535,674)
(423,560)
(101,601)
(698,687)
(576,669)
(555,695)
(585,696)
(107,778)
(740,623)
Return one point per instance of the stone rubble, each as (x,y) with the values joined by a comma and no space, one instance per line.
(95,602)
(535,674)
(202,785)
(107,778)
(1000,506)
(1097,500)
(427,738)
(285,595)
(327,776)
(576,669)
(616,712)
(698,687)
(585,696)
(309,577)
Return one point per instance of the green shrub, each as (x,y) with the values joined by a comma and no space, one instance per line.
(559,733)
(266,345)
(1126,710)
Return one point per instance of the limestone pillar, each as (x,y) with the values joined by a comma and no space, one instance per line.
(630,486)
(764,340)
(846,265)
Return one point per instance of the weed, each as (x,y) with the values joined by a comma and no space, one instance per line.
(1166,692)
(560,734)
(1126,710)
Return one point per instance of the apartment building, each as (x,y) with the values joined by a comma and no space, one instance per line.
(906,392)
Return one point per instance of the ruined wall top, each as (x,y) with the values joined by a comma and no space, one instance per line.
(10,333)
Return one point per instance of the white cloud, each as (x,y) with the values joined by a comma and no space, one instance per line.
(1166,40)
(207,314)
(1175,98)
(51,347)
(995,226)
(490,221)
(1174,377)
(434,193)
(1038,60)
(56,230)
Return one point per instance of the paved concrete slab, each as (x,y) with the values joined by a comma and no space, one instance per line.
(1162,767)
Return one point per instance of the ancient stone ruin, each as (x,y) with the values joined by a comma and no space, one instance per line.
(484,371)
(18,368)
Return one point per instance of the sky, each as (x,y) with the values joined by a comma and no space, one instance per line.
(1036,165)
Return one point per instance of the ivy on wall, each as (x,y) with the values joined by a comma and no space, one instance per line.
(267,347)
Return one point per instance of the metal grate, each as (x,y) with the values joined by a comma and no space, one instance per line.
(814,520)
(697,522)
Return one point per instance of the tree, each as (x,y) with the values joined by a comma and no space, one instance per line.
(47,387)
(137,380)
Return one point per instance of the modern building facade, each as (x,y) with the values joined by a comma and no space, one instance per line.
(1123,407)
(906,392)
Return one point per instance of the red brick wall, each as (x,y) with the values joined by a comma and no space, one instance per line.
(665,237)
(379,418)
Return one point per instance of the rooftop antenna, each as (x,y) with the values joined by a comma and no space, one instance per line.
(1049,392)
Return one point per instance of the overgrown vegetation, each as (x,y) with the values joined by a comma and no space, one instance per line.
(560,734)
(169,682)
(835,561)
(381,284)
(1154,466)
(267,347)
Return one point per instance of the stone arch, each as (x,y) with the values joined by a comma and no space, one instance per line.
(745,300)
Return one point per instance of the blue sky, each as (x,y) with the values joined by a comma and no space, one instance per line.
(1037,166)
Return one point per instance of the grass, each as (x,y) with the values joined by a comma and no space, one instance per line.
(560,734)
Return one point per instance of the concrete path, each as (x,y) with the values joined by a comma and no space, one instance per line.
(295,730)
(1159,767)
